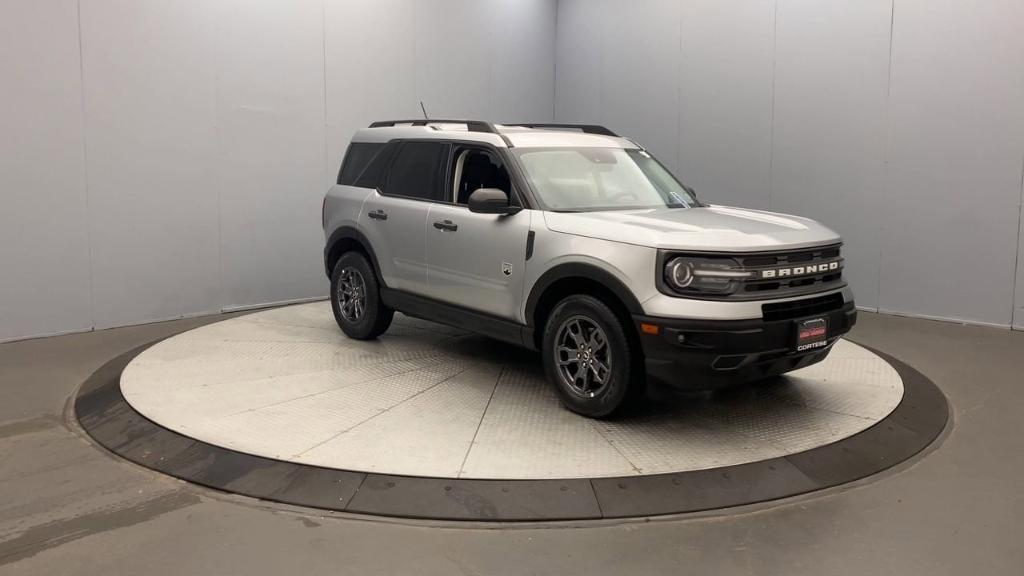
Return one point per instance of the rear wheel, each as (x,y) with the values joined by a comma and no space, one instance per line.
(589,359)
(355,298)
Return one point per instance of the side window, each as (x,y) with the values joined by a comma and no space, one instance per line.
(416,171)
(357,158)
(476,168)
(373,175)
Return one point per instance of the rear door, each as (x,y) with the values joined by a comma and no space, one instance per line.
(476,261)
(395,218)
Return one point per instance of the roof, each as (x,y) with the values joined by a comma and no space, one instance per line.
(499,135)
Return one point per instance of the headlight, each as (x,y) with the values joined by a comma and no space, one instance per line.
(704,275)
(679,273)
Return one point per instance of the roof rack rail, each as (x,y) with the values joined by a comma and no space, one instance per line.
(585,128)
(471,125)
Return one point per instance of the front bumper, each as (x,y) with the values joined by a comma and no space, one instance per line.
(704,354)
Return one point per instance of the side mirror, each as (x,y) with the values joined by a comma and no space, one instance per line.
(491,201)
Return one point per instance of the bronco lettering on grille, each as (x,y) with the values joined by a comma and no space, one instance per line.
(801,270)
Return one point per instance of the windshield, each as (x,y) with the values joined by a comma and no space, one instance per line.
(588,179)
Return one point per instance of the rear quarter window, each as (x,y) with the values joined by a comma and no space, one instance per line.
(357,158)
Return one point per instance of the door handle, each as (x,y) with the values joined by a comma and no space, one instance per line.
(378,215)
(446,226)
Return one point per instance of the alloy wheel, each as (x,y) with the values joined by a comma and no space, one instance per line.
(583,355)
(351,294)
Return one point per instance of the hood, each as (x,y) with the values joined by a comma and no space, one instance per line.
(712,228)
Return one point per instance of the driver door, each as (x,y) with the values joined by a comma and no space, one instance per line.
(476,261)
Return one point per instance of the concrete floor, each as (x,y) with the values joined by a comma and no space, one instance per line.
(68,508)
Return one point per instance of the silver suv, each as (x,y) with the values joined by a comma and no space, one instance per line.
(573,241)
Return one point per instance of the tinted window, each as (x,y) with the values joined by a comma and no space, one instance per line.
(373,175)
(416,173)
(356,160)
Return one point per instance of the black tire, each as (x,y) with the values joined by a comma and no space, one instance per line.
(623,386)
(373,317)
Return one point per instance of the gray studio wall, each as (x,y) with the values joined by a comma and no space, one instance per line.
(165,159)
(898,122)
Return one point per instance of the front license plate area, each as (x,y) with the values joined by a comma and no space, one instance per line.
(811,334)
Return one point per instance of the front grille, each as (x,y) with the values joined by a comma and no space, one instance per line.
(799,308)
(783,258)
(798,284)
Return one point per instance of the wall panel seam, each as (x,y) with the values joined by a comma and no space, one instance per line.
(492,25)
(603,23)
(218,127)
(554,61)
(679,88)
(1016,306)
(771,111)
(679,93)
(85,172)
(885,151)
(323,38)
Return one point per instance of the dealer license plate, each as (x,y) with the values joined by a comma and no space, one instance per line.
(811,334)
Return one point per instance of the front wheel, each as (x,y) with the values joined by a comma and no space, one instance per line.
(589,359)
(355,298)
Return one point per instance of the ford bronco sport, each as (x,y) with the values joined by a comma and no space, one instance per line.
(578,243)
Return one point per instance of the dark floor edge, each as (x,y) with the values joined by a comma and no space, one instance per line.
(105,415)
